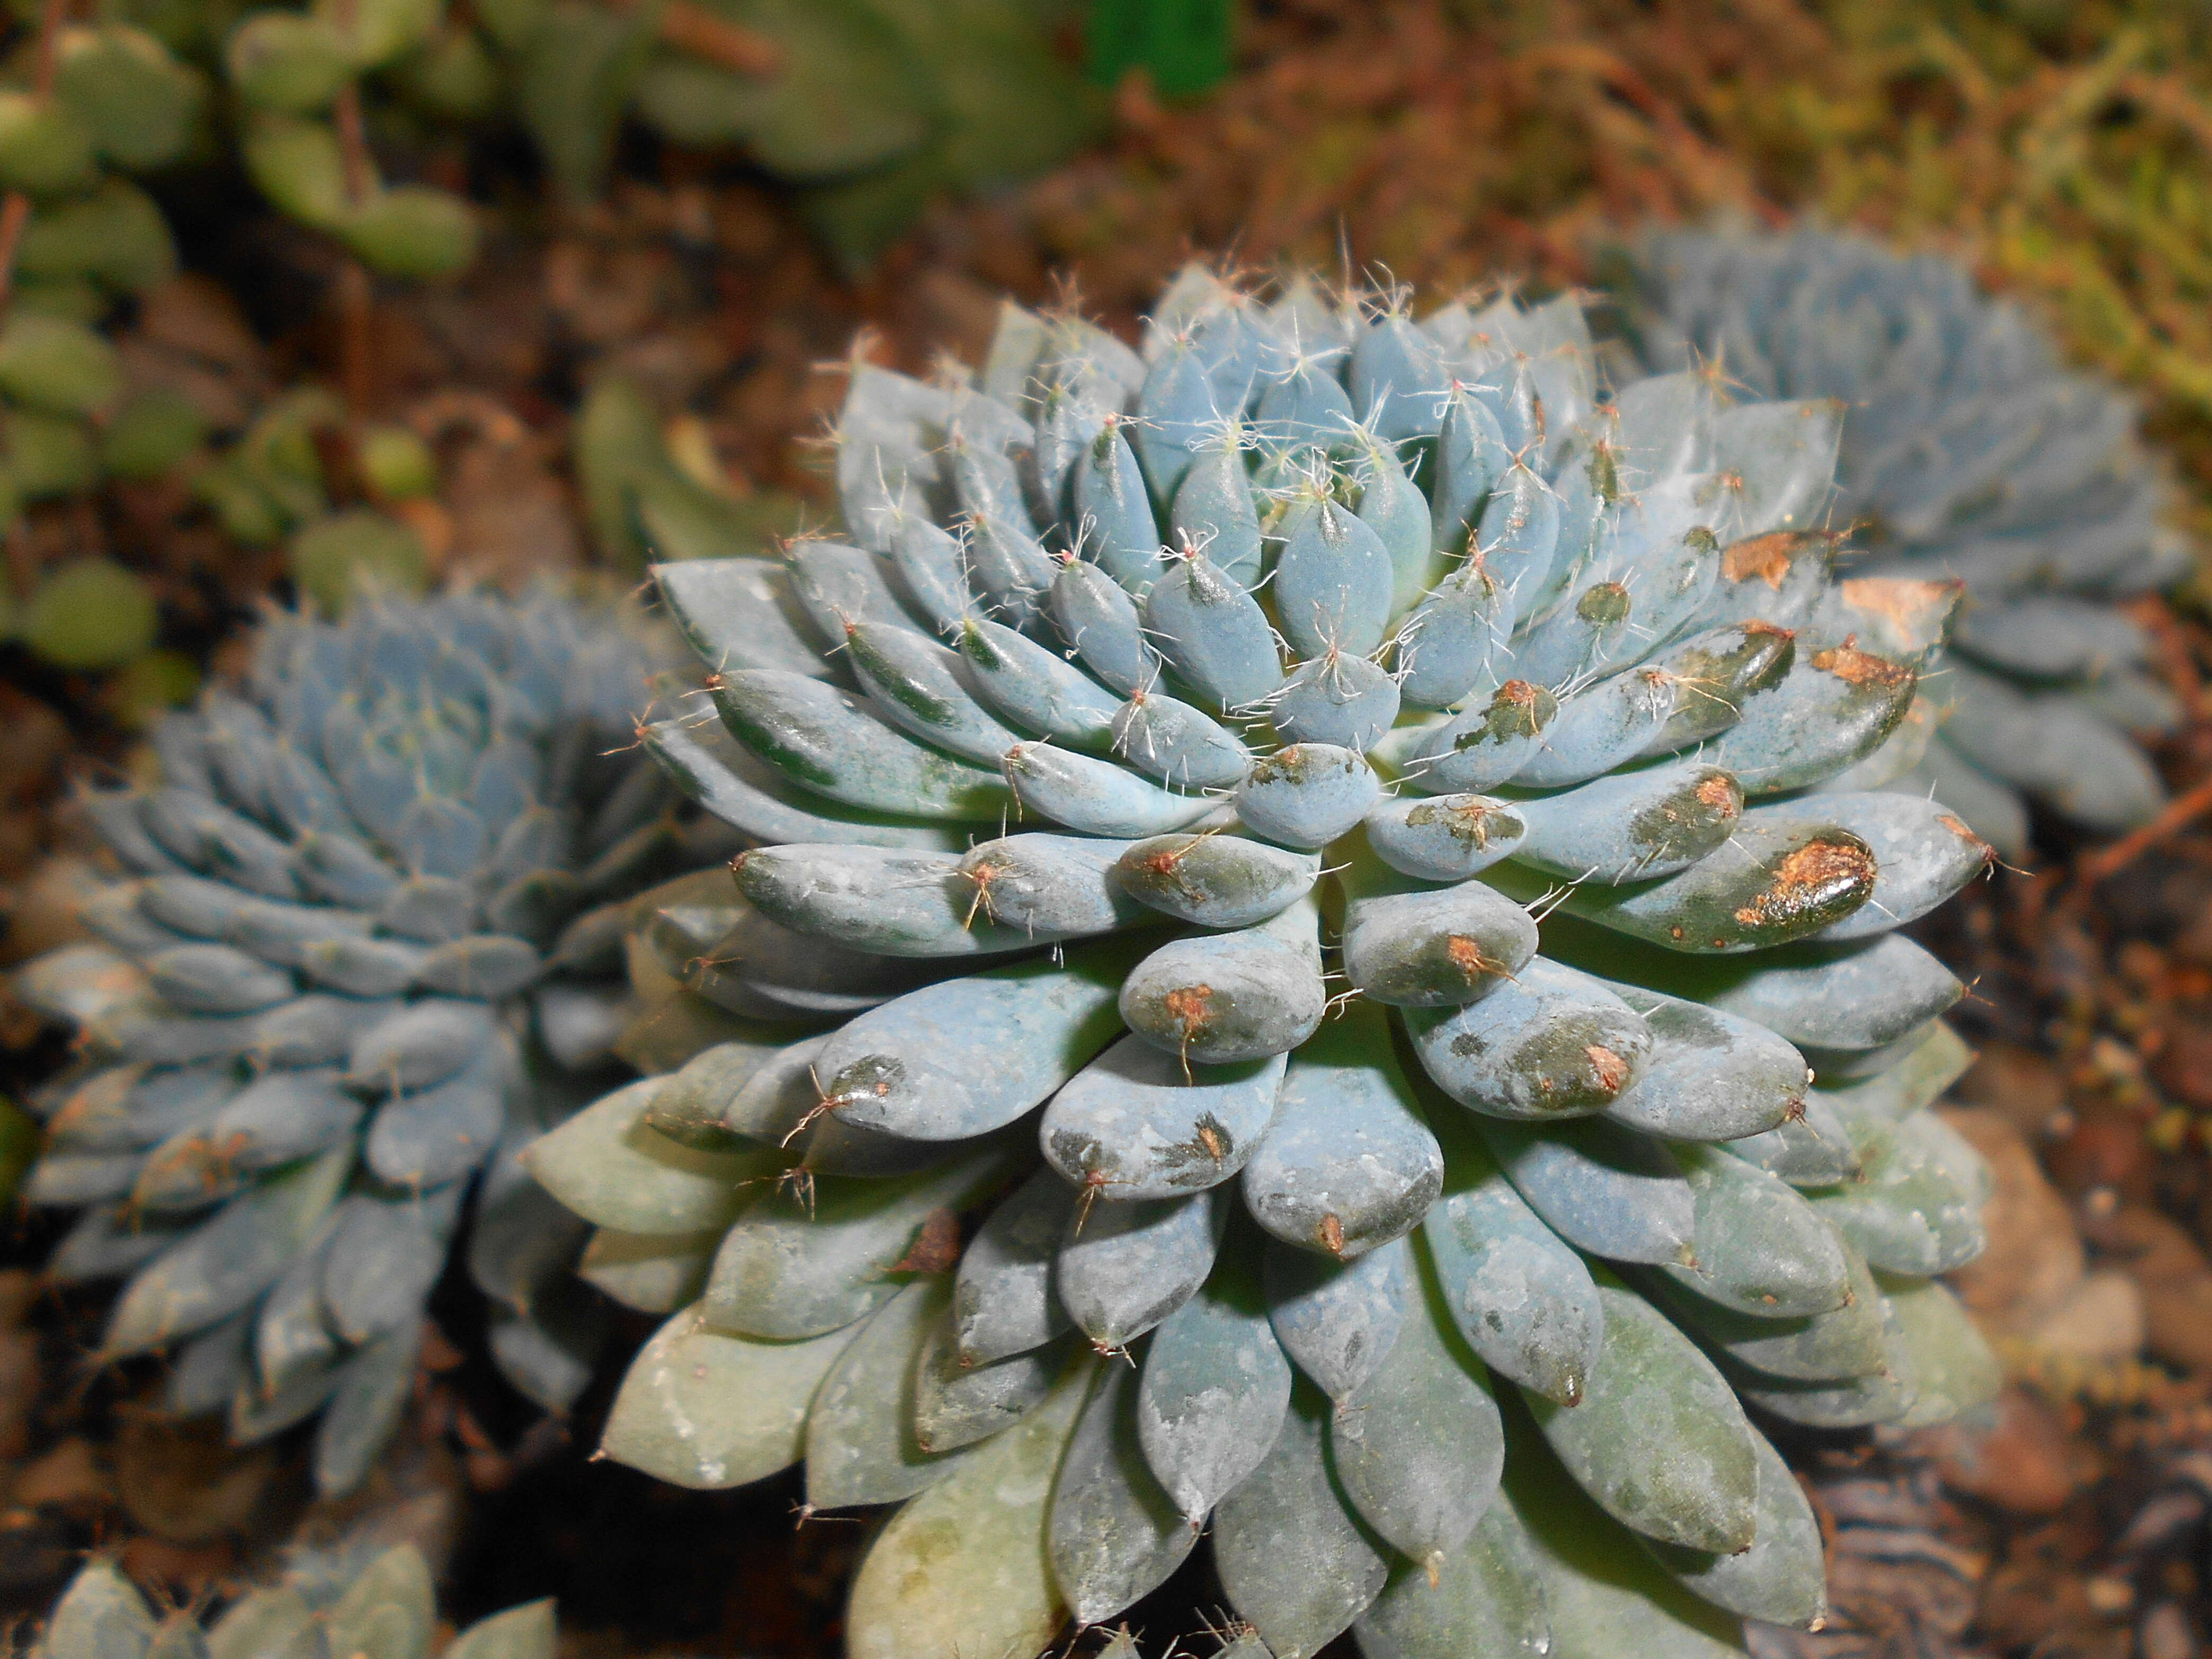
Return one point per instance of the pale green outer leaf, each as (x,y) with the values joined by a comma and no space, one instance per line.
(101,1616)
(1659,1439)
(1608,1599)
(608,1167)
(1951,1363)
(271,1624)
(961,1572)
(861,1442)
(703,1409)
(522,1632)
(652,1272)
(389,1611)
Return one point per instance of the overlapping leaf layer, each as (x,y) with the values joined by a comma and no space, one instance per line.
(1316,961)
(1970,453)
(374,923)
(387,1608)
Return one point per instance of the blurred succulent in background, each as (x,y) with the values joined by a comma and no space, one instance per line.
(867,107)
(389,1609)
(1573,771)
(375,898)
(1969,453)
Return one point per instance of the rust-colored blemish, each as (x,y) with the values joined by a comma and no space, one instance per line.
(1755,626)
(1804,878)
(1519,693)
(1331,1234)
(1904,601)
(1467,821)
(1856,667)
(1190,1006)
(1467,955)
(1209,1140)
(1958,826)
(1164,862)
(936,1247)
(981,874)
(1719,792)
(1610,1070)
(1767,557)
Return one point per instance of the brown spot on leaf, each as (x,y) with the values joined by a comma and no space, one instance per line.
(1603,604)
(1164,862)
(1820,873)
(1958,826)
(1856,667)
(1766,558)
(1331,1234)
(935,1246)
(1720,792)
(1465,820)
(1610,1070)
(1517,710)
(1467,956)
(1191,1006)
(1909,603)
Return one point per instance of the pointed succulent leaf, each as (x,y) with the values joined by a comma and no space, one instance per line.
(1337,1319)
(710,1409)
(1294,1560)
(965,1565)
(1348,1164)
(1418,1447)
(1113,1533)
(1215,1388)
(1658,1439)
(1521,1297)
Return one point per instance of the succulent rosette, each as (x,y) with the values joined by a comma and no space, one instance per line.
(1316,963)
(388,1606)
(369,946)
(1970,452)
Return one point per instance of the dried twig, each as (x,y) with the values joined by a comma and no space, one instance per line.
(2179,813)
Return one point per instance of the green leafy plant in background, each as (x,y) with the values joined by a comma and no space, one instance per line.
(646,499)
(298,81)
(369,947)
(389,1608)
(83,105)
(272,486)
(1317,964)
(1184,45)
(867,109)
(1970,455)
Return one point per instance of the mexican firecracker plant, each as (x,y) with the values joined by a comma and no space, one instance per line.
(1317,964)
